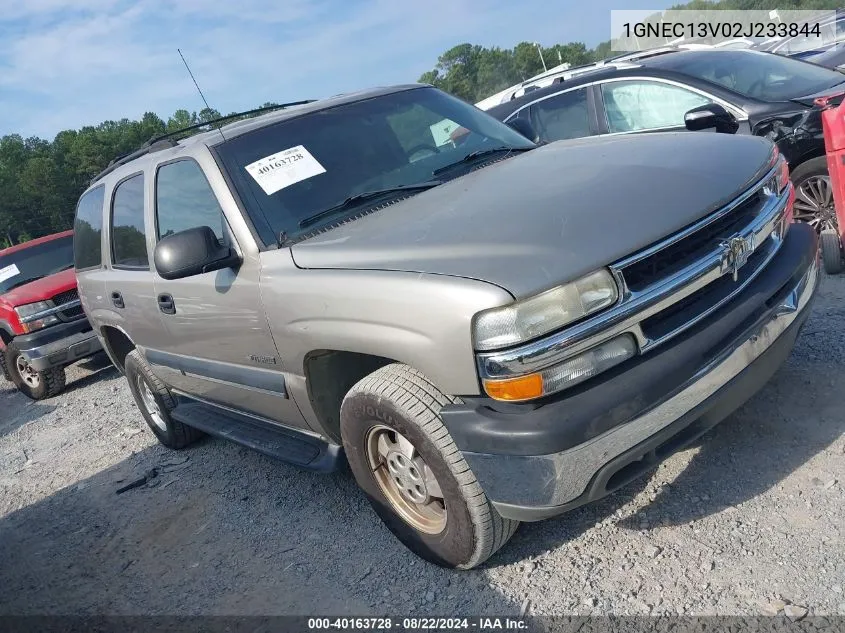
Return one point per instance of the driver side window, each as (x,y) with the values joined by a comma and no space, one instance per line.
(184,200)
(631,106)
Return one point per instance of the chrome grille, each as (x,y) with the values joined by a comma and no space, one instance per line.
(73,311)
(694,262)
(680,254)
(65,297)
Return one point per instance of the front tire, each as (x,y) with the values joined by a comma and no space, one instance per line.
(156,403)
(413,474)
(36,385)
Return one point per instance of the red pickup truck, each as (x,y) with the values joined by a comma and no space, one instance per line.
(42,325)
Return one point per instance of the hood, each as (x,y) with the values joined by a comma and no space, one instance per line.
(41,290)
(550,215)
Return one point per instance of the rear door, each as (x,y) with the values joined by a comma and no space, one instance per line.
(565,115)
(219,348)
(128,287)
(88,253)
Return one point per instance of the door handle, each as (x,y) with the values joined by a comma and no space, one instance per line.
(166,304)
(117,300)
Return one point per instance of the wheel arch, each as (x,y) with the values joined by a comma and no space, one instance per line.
(329,375)
(117,345)
(815,152)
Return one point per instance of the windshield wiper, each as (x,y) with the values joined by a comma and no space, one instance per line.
(365,195)
(478,154)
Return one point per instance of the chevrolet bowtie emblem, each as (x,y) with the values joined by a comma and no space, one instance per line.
(735,253)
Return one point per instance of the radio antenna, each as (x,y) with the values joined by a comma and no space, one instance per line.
(188,68)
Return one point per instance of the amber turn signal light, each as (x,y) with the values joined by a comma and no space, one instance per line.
(513,389)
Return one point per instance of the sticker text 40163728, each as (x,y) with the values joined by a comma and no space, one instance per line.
(283,169)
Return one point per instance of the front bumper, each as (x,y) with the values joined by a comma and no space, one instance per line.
(59,345)
(635,432)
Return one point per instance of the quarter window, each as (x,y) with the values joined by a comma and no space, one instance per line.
(128,237)
(563,116)
(647,105)
(184,200)
(88,230)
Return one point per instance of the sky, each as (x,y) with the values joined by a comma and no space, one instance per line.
(69,63)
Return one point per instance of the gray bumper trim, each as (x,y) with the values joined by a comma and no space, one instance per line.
(64,351)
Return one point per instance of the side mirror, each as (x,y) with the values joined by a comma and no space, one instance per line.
(711,116)
(525,128)
(192,252)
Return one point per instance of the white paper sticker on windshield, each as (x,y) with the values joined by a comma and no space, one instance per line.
(8,272)
(284,169)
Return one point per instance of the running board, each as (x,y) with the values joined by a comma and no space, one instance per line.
(265,437)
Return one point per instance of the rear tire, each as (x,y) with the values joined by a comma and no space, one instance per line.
(36,385)
(831,252)
(156,403)
(399,403)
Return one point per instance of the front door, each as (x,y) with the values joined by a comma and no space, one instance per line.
(219,348)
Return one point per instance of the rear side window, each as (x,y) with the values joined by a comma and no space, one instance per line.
(128,237)
(563,116)
(184,200)
(88,229)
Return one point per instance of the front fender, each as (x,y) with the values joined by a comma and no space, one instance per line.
(421,320)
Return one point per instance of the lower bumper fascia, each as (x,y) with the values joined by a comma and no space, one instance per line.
(64,351)
(532,488)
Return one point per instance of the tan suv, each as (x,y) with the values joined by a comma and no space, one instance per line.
(489,331)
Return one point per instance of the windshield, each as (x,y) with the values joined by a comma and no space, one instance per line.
(35,262)
(759,75)
(293,170)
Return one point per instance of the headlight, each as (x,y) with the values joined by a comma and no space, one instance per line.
(779,181)
(776,186)
(565,374)
(26,312)
(524,320)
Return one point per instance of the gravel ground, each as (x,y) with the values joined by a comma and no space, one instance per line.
(749,521)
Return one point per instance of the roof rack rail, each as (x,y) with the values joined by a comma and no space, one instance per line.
(164,141)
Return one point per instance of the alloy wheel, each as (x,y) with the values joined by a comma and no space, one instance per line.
(814,203)
(27,373)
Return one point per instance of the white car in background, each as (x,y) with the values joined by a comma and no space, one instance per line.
(542,80)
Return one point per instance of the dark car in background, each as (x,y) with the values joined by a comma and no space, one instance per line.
(740,91)
(808,45)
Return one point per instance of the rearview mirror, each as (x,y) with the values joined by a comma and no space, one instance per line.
(711,116)
(525,128)
(192,252)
